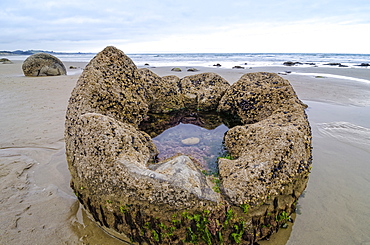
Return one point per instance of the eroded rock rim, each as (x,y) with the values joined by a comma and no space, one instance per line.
(109,157)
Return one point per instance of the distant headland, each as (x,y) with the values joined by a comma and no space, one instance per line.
(31,52)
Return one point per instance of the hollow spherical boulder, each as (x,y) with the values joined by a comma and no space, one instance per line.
(131,196)
(42,64)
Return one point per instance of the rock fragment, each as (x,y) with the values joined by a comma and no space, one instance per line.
(190,141)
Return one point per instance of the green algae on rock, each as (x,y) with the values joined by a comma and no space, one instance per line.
(173,201)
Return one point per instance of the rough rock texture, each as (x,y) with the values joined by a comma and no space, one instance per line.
(105,159)
(203,91)
(272,147)
(165,94)
(257,95)
(112,86)
(162,93)
(43,64)
(173,201)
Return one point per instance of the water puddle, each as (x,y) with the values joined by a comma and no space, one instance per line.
(199,135)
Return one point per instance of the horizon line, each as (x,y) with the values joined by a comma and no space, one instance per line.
(174,52)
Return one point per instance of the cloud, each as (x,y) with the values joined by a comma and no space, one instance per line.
(317,35)
(193,26)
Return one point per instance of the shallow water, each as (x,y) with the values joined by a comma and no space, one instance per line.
(206,152)
(336,206)
(323,75)
(205,131)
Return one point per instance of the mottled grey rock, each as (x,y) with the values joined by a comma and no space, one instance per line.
(272,147)
(42,64)
(162,93)
(110,85)
(203,91)
(257,95)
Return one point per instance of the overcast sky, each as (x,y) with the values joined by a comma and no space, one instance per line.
(142,26)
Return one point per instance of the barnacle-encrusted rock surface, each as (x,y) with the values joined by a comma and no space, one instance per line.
(110,85)
(162,93)
(173,201)
(274,144)
(257,95)
(42,64)
(165,94)
(203,91)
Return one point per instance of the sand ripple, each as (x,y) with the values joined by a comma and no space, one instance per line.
(348,133)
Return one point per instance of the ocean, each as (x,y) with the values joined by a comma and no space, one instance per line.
(228,60)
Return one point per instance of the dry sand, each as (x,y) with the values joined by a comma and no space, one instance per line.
(38,207)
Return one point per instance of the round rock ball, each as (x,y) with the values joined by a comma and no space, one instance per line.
(42,64)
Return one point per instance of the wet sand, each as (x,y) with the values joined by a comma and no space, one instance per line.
(37,205)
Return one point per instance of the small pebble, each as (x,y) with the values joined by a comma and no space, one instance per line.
(190,141)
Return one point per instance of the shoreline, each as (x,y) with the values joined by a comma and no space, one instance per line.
(229,60)
(38,205)
(308,87)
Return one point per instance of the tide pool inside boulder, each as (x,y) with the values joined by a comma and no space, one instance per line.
(205,146)
(116,110)
(196,134)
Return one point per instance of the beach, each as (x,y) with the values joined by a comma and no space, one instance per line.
(39,207)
